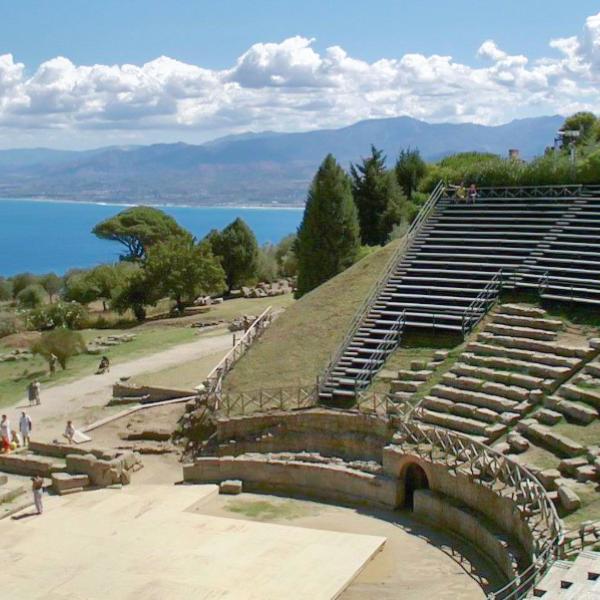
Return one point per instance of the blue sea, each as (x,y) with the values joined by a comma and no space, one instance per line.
(42,236)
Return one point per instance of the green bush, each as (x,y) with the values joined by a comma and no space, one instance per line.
(9,323)
(32,296)
(63,343)
(61,314)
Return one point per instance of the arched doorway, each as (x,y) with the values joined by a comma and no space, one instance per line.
(415,478)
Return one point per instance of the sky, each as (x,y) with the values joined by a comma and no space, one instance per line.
(79,74)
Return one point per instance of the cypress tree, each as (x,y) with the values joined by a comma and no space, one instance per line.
(378,198)
(328,237)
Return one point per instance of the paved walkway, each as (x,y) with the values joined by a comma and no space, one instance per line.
(141,542)
(84,397)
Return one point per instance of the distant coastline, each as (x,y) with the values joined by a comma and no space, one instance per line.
(232,206)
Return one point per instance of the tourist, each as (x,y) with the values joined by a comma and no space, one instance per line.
(34,393)
(472,193)
(5,434)
(37,486)
(25,427)
(104,366)
(52,362)
(69,431)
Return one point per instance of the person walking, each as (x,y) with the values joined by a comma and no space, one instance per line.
(37,487)
(52,363)
(473,193)
(25,427)
(34,393)
(5,433)
(69,431)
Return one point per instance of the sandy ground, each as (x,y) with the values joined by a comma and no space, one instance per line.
(83,400)
(415,563)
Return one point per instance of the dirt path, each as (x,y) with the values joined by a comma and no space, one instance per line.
(83,399)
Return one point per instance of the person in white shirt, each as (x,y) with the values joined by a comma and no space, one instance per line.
(5,433)
(25,427)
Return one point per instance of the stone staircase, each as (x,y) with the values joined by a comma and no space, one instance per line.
(457,259)
(502,375)
(577,580)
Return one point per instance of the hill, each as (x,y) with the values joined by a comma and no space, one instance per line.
(253,168)
(299,344)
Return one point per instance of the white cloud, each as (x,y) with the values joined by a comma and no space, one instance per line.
(290,86)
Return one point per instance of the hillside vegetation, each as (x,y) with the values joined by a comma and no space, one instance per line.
(299,344)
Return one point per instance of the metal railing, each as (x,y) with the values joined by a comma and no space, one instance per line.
(539,191)
(378,286)
(482,303)
(575,541)
(214,380)
(543,283)
(383,348)
(461,454)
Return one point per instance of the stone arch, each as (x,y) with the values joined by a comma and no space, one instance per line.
(415,478)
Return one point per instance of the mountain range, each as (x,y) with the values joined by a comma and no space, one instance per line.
(265,168)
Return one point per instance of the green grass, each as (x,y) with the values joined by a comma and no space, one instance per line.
(184,376)
(300,343)
(247,306)
(263,510)
(584,434)
(15,376)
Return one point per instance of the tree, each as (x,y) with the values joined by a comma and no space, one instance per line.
(286,256)
(21,281)
(584,122)
(6,290)
(52,283)
(134,295)
(237,249)
(183,270)
(32,296)
(329,235)
(410,169)
(377,196)
(138,229)
(63,343)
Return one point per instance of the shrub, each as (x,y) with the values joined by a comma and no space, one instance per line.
(61,314)
(32,296)
(9,323)
(63,343)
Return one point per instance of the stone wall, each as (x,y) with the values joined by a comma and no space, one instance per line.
(444,513)
(322,481)
(501,510)
(351,436)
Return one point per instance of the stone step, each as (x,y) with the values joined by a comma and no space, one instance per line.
(535,345)
(527,368)
(544,436)
(29,465)
(406,386)
(572,392)
(460,409)
(575,411)
(473,384)
(495,403)
(409,375)
(528,333)
(520,310)
(539,357)
(12,490)
(551,325)
(593,369)
(505,377)
(462,424)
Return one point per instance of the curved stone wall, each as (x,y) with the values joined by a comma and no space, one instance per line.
(347,435)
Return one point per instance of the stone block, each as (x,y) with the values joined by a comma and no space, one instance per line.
(547,416)
(64,483)
(418,365)
(440,355)
(548,478)
(568,498)
(517,442)
(586,473)
(568,466)
(230,487)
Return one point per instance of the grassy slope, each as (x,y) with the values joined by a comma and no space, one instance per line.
(299,344)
